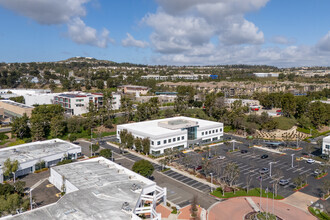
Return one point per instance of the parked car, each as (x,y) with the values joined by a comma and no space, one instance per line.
(317,172)
(310,161)
(283,182)
(263,170)
(221,157)
(264,156)
(244,151)
(199,168)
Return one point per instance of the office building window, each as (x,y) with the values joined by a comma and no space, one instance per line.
(216,131)
(202,133)
(213,131)
(182,137)
(178,138)
(164,141)
(173,139)
(220,129)
(169,140)
(205,132)
(152,143)
(158,142)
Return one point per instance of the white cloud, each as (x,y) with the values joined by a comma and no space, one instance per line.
(324,43)
(47,11)
(82,34)
(69,12)
(181,26)
(130,41)
(282,40)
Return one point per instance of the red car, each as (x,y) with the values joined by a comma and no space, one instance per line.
(279,110)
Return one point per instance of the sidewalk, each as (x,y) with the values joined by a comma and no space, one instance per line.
(172,168)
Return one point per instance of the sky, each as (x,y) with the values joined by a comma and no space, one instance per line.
(283,33)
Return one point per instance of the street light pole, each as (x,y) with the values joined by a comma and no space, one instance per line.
(292,155)
(30,198)
(270,170)
(211,181)
(14,177)
(91,143)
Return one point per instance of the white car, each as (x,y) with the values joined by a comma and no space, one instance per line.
(221,157)
(310,161)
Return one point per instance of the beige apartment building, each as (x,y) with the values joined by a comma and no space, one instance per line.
(15,109)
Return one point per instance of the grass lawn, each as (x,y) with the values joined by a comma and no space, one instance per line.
(252,192)
(318,214)
(285,123)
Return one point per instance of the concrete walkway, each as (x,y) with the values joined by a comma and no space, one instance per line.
(252,204)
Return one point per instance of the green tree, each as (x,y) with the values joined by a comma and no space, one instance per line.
(72,137)
(129,140)
(19,187)
(107,153)
(10,167)
(288,105)
(146,145)
(95,147)
(100,84)
(138,144)
(319,113)
(123,139)
(57,126)
(143,167)
(20,127)
(19,99)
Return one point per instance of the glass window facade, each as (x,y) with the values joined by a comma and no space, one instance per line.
(192,133)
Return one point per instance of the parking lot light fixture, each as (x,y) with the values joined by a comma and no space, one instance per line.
(270,170)
(211,182)
(292,156)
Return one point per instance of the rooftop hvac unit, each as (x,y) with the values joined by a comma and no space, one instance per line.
(126,207)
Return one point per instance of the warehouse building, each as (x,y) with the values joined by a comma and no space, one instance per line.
(99,189)
(31,154)
(174,133)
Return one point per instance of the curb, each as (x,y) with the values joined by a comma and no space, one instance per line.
(296,190)
(322,176)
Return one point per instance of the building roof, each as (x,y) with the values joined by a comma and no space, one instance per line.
(134,87)
(20,105)
(78,94)
(326,138)
(35,150)
(154,130)
(103,188)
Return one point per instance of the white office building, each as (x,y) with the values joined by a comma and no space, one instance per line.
(28,155)
(174,133)
(39,99)
(326,145)
(99,189)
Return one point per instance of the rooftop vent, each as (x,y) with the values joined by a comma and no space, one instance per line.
(135,187)
(126,207)
(70,211)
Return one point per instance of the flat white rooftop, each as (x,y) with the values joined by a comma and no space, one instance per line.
(103,187)
(327,138)
(35,150)
(168,126)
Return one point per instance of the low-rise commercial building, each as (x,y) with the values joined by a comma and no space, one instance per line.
(245,102)
(99,189)
(162,99)
(28,155)
(174,133)
(77,103)
(15,109)
(131,89)
(326,145)
(39,99)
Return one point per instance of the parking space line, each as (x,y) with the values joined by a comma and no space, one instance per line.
(291,184)
(275,179)
(299,169)
(304,171)
(191,180)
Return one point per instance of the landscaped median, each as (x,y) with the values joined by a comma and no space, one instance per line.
(317,213)
(321,176)
(242,192)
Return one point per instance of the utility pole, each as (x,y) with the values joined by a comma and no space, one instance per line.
(260,192)
(292,156)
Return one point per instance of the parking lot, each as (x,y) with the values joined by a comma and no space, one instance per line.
(250,164)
